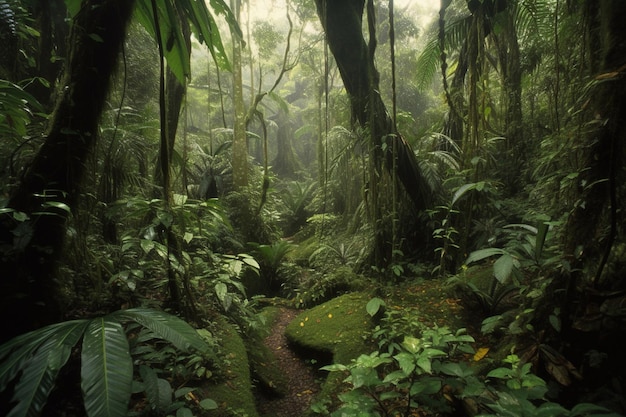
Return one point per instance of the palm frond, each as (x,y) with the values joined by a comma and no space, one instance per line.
(166,326)
(429,60)
(39,373)
(107,369)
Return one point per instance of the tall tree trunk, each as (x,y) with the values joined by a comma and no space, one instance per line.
(286,163)
(342,22)
(510,68)
(50,187)
(240,140)
(174,94)
(591,226)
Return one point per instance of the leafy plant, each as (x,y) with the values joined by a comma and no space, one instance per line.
(296,198)
(412,375)
(322,287)
(524,253)
(32,361)
(16,109)
(518,392)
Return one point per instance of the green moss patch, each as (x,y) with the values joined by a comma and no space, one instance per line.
(340,326)
(234,394)
(266,370)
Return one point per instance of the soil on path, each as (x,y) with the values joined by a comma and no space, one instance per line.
(300,377)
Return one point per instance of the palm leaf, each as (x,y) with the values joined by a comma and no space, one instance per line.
(166,326)
(107,369)
(205,29)
(429,60)
(174,44)
(15,353)
(40,372)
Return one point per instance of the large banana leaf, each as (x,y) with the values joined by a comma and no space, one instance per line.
(40,372)
(206,30)
(166,326)
(107,369)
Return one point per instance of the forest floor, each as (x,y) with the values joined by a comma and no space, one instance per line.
(337,323)
(300,378)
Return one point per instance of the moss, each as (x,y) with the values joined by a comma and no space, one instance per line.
(233,395)
(266,369)
(340,327)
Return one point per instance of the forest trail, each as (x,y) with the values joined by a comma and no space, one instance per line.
(301,378)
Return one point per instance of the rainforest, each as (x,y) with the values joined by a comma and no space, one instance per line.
(286,208)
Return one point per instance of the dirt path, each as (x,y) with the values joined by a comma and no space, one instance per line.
(301,379)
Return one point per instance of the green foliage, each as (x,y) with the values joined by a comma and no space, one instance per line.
(203,26)
(430,374)
(33,360)
(523,393)
(409,377)
(318,288)
(295,197)
(16,109)
(271,260)
(522,259)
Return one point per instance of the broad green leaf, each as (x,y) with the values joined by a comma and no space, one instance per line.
(184,412)
(426,386)
(374,305)
(220,290)
(334,367)
(41,371)
(503,267)
(16,352)
(461,191)
(208,404)
(481,254)
(411,344)
(107,369)
(406,361)
(206,30)
(146,245)
(166,326)
(173,41)
(73,7)
(158,391)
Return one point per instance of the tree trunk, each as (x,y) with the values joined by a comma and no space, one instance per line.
(510,68)
(240,141)
(591,226)
(342,21)
(285,164)
(50,187)
(174,94)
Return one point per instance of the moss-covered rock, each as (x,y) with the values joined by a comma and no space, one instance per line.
(266,370)
(234,394)
(340,327)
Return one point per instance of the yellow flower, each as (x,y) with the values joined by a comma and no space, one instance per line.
(306,319)
(330,316)
(301,324)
